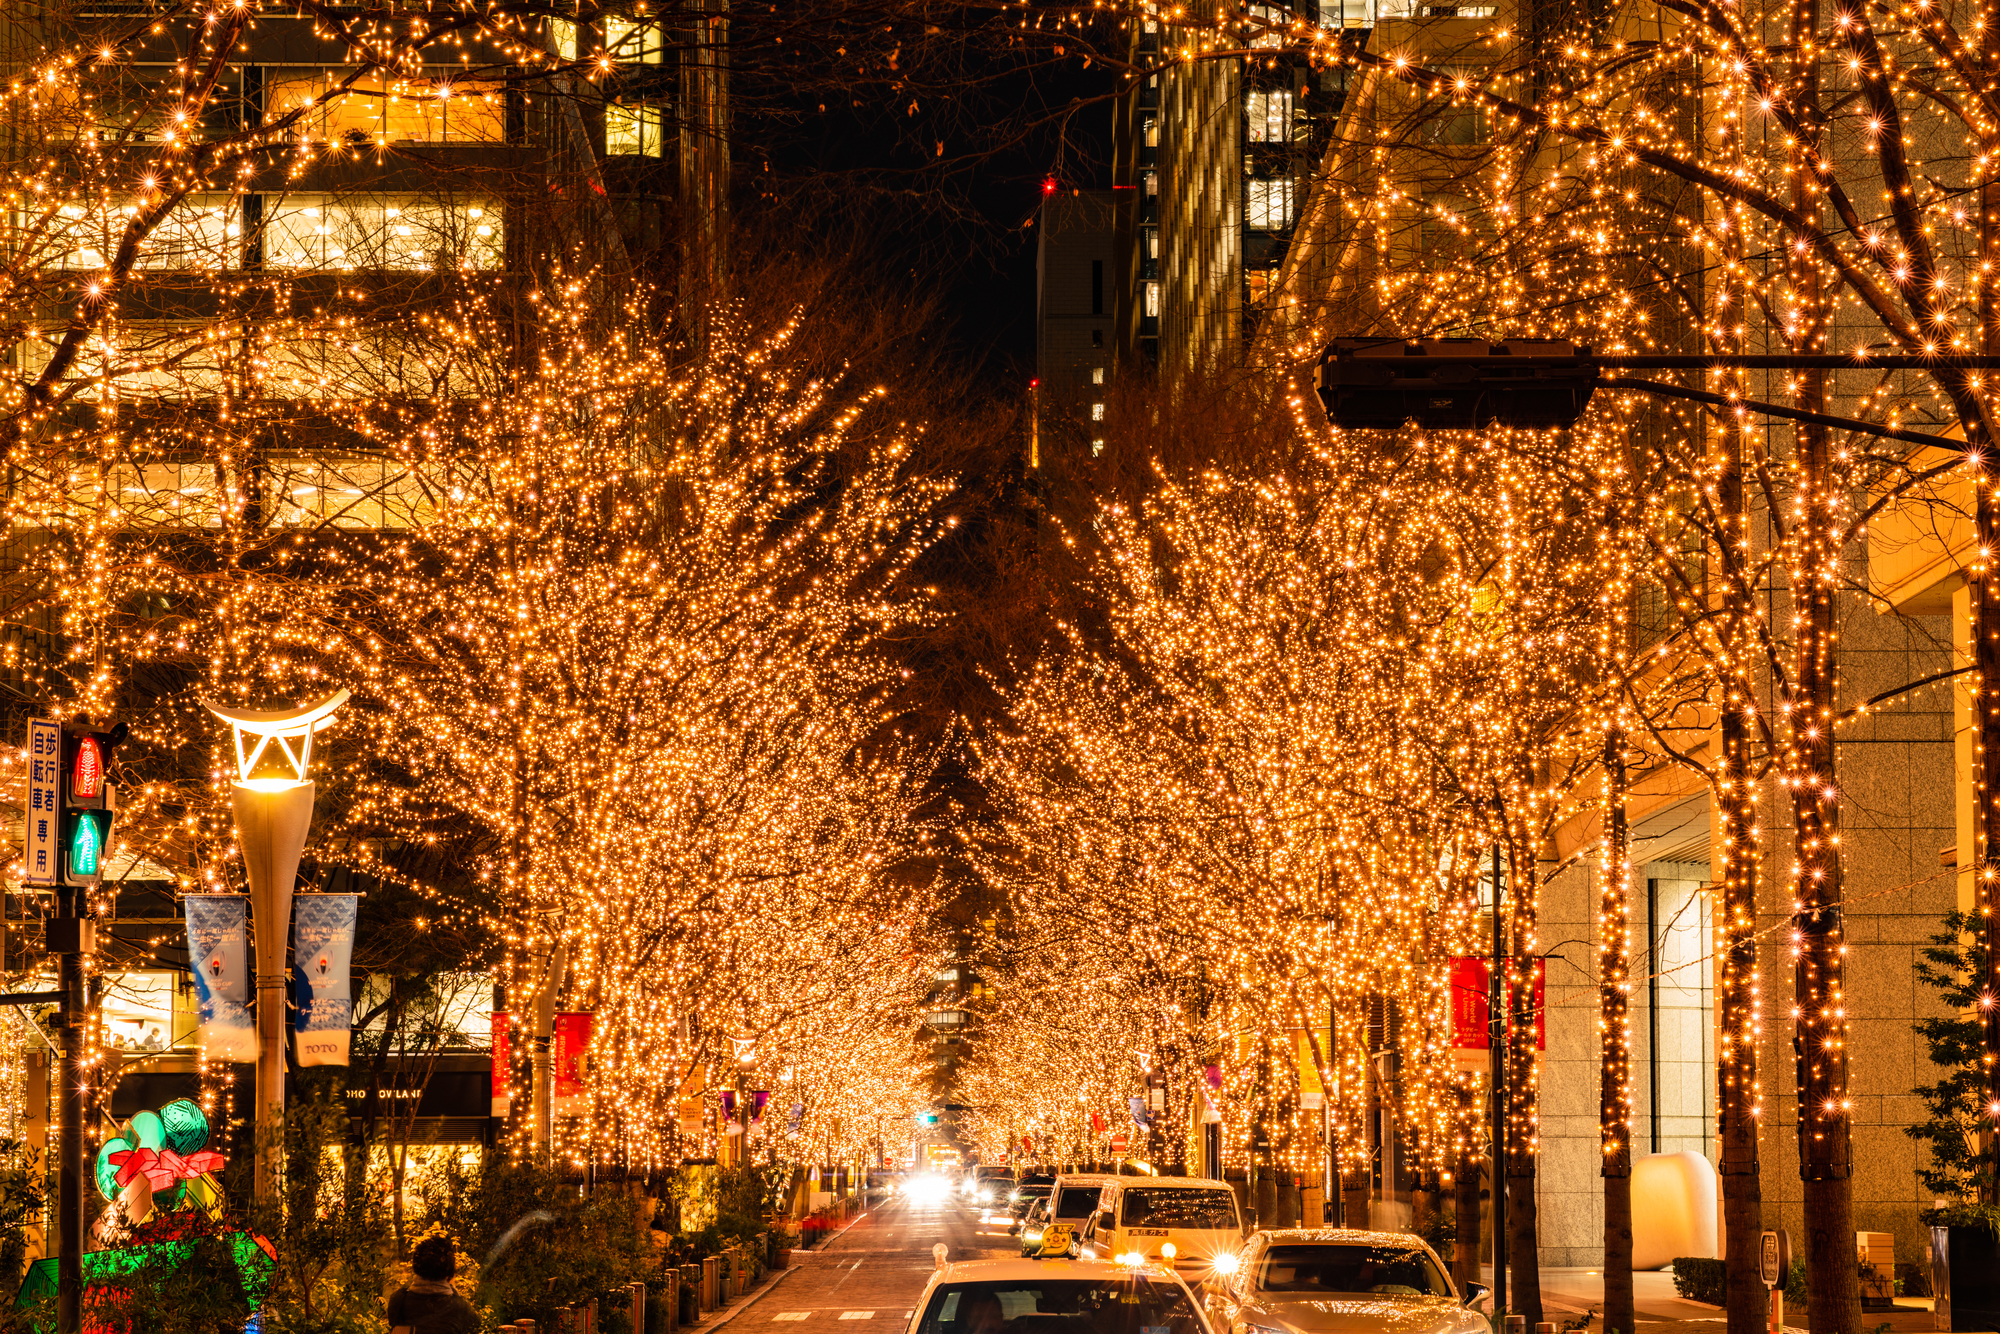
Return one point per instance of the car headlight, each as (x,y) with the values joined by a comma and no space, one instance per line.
(1226,1263)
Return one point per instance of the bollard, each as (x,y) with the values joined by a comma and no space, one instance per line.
(1517,1324)
(1545,1327)
(637,1305)
(525,1325)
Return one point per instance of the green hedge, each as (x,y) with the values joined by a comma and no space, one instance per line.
(1701,1280)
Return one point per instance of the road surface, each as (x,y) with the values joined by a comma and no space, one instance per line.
(868,1279)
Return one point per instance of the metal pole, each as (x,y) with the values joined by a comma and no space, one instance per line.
(1497,1017)
(69,934)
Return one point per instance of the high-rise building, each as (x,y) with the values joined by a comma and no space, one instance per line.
(1211,160)
(1076,317)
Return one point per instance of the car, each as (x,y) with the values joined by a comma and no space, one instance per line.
(1340,1281)
(1184,1221)
(1056,1296)
(1023,1197)
(1075,1199)
(1032,1225)
(984,1185)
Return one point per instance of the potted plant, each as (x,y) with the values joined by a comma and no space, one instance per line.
(1965,1223)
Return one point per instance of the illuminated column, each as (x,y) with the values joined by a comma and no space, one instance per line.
(273,813)
(543,1087)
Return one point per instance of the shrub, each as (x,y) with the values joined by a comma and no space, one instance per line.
(1703,1280)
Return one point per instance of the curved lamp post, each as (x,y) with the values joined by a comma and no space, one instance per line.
(273,813)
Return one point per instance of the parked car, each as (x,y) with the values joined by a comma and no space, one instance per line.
(1184,1221)
(1335,1281)
(1056,1296)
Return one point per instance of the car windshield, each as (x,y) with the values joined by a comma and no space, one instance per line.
(1078,1201)
(1164,1206)
(1135,1305)
(1390,1271)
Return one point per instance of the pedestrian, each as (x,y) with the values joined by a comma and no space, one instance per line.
(429,1304)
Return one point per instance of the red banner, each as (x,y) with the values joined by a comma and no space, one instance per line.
(1471,1012)
(1471,1009)
(569,1053)
(502,1056)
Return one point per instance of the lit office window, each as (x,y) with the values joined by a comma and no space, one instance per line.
(1097,375)
(204,232)
(1270,116)
(636,131)
(329,108)
(1270,21)
(401,233)
(144,1012)
(1097,412)
(1152,132)
(1269,203)
(1153,299)
(633,43)
(564,33)
(1096,448)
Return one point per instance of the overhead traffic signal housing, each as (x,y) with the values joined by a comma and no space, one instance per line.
(1459,384)
(927,1118)
(89,803)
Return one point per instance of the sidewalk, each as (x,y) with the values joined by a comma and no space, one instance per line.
(1568,1293)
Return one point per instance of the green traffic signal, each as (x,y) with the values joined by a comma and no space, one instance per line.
(85,841)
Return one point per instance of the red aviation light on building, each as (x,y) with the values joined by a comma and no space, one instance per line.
(86,774)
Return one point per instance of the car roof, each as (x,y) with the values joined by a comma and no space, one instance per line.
(1177,1183)
(1084,1178)
(992,1271)
(1348,1236)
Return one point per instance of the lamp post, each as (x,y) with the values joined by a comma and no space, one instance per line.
(273,813)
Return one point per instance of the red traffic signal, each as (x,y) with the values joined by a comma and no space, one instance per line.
(1454,384)
(86,760)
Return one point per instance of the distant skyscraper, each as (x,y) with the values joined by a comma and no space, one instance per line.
(1076,323)
(1210,162)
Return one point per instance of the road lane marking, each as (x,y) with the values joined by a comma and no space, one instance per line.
(857,1315)
(792,1315)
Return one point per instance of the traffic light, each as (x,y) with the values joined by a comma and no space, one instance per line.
(89,803)
(927,1118)
(1454,383)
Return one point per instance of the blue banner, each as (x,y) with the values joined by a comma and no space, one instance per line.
(219,954)
(322,952)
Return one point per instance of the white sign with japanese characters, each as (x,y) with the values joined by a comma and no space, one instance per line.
(43,823)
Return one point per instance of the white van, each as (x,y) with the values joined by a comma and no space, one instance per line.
(1073,1200)
(1142,1216)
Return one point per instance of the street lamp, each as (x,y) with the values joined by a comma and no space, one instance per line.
(273,813)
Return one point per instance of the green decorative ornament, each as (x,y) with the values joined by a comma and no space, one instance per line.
(185,1126)
(179,1127)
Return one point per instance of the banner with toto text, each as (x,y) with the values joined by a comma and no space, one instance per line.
(322,954)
